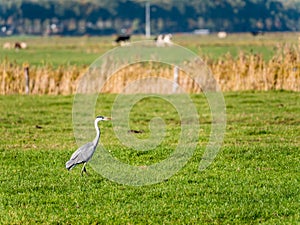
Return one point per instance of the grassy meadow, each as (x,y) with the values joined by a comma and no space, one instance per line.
(254,178)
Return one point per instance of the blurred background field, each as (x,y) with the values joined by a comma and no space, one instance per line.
(239,62)
(84,50)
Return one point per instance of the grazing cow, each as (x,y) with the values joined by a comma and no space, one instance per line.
(163,40)
(123,40)
(23,45)
(7,45)
(255,33)
(222,34)
(20,45)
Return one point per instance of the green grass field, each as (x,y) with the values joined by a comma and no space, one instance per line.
(58,51)
(254,179)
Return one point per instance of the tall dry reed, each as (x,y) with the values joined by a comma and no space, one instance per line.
(245,72)
(43,79)
(252,72)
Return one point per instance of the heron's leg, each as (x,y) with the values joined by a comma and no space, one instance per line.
(83,169)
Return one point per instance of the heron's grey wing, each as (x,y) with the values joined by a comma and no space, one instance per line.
(81,155)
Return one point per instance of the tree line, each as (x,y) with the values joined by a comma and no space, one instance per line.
(100,17)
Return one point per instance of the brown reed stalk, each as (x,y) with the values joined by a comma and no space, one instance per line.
(246,72)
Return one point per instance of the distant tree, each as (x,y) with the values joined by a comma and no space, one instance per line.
(109,16)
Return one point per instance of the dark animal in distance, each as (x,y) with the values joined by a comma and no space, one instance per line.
(256,33)
(122,38)
(20,45)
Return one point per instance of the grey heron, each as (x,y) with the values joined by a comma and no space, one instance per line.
(85,152)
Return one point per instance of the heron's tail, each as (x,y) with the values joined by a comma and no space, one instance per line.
(70,164)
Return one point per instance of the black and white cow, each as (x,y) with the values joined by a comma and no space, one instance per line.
(123,39)
(163,40)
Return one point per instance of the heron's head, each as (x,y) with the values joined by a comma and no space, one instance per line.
(101,118)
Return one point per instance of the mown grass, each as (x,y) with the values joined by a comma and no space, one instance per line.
(254,179)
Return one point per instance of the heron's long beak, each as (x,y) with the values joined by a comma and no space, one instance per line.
(107,118)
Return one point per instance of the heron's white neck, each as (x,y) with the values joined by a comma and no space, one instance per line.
(96,140)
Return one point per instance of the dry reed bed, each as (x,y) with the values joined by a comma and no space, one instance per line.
(252,72)
(245,72)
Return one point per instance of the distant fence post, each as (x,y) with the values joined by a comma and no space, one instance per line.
(26,74)
(175,80)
